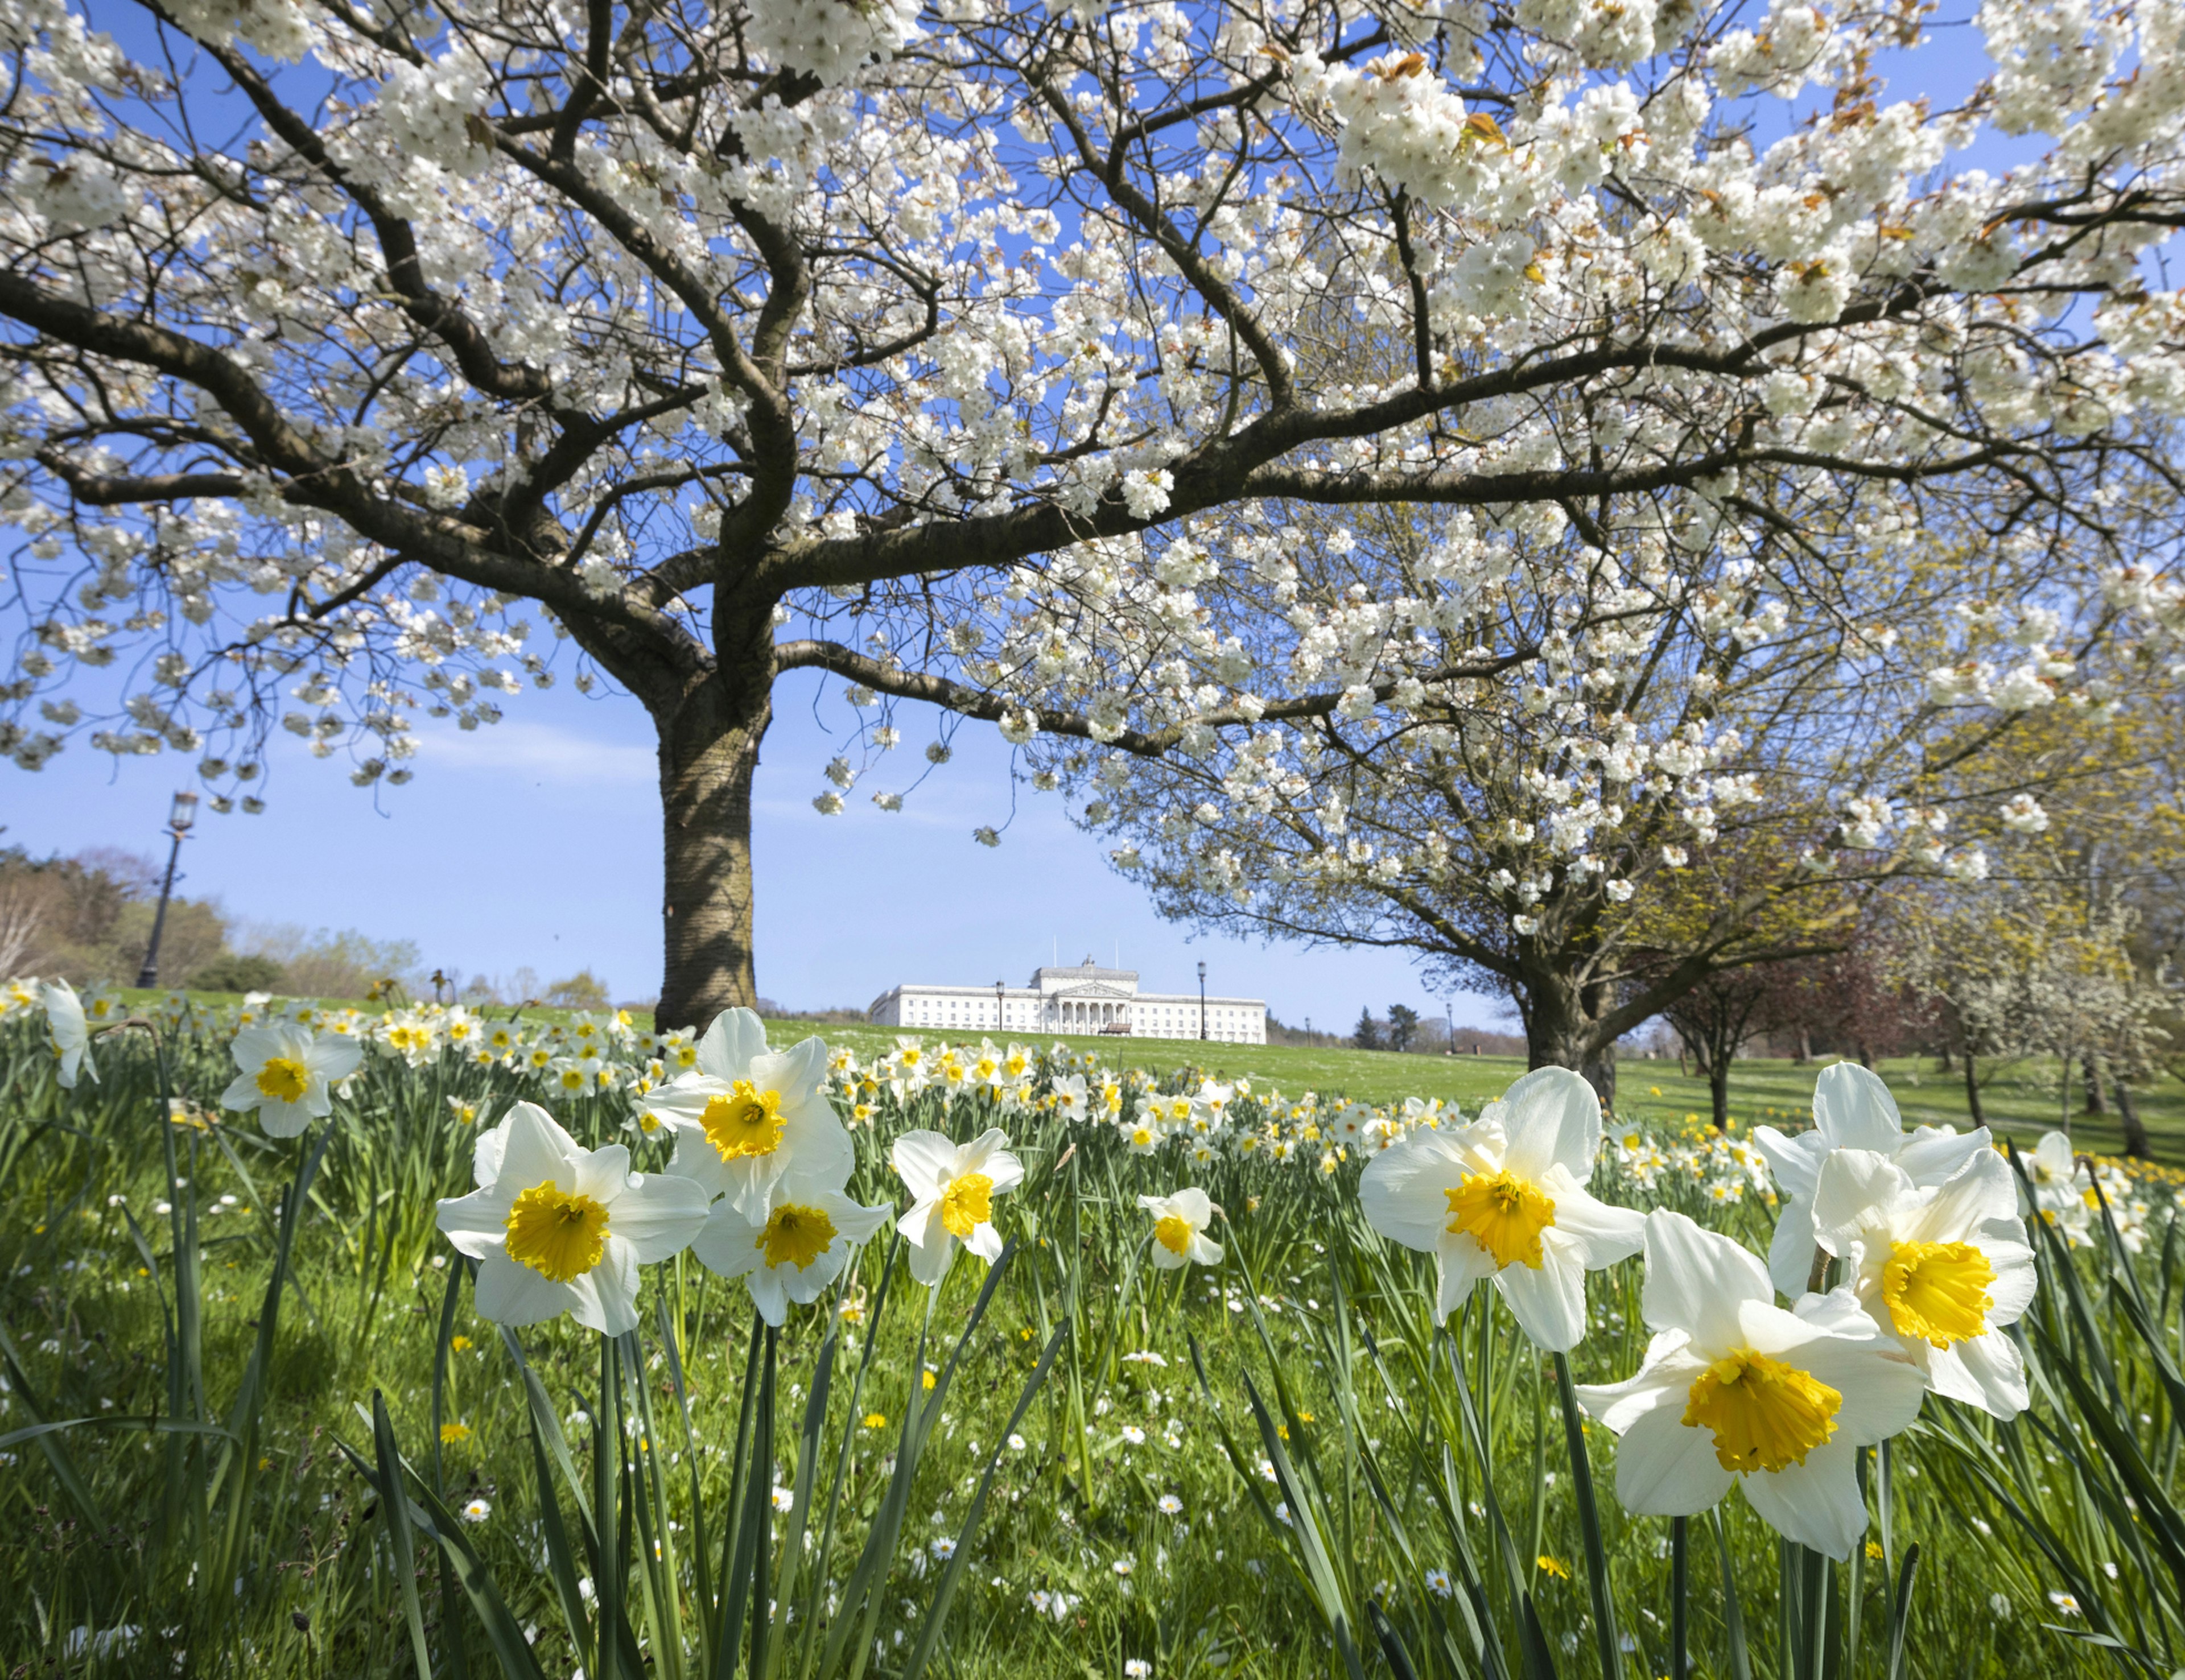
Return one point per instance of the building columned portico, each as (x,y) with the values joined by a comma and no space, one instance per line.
(1086,998)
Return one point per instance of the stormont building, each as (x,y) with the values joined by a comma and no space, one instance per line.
(1086,998)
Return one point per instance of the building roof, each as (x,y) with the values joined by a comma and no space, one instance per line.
(1086,970)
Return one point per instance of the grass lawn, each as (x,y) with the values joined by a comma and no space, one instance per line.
(2021,1099)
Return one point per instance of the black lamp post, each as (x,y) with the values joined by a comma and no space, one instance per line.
(180,816)
(998,1006)
(1202,1000)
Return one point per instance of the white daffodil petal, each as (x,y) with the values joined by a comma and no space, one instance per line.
(2016,1279)
(1553,1119)
(933,1252)
(769,1295)
(1816,1504)
(798,1073)
(695,1157)
(487,1156)
(1980,1190)
(855,1222)
(1791,1250)
(658,1214)
(606,1297)
(1462,1263)
(1403,1191)
(255,1046)
(1856,1187)
(1664,1377)
(751,1183)
(513,1294)
(287,1119)
(727,1243)
(1881,1388)
(1852,1109)
(730,1044)
(925,1161)
(477,1223)
(1665,1467)
(534,1150)
(1600,1235)
(1547,1300)
(1696,1280)
(1934,1153)
(601,1173)
(1987,1371)
(334,1057)
(1002,1166)
(1794,1161)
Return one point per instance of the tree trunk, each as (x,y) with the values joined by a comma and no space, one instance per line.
(1805,1047)
(2095,1102)
(2135,1134)
(1972,1092)
(1865,1057)
(1718,1090)
(1559,1018)
(1599,1067)
(708,752)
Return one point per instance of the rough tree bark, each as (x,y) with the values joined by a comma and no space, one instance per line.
(710,734)
(705,794)
(1565,1027)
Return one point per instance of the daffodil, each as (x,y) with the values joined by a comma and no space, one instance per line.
(1852,1109)
(1179,1223)
(2061,1185)
(1941,1270)
(67,1033)
(286,1070)
(558,1228)
(1736,1391)
(1503,1198)
(744,1118)
(952,1187)
(792,1250)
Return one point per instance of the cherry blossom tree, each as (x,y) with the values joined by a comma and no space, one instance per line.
(1707,762)
(359,357)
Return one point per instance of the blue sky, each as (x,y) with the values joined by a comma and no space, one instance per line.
(536,844)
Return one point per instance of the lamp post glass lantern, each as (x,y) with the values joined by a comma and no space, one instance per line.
(1202,1000)
(181,816)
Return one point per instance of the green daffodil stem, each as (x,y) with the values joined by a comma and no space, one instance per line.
(1680,1583)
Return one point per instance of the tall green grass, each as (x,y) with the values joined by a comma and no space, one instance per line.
(224,1423)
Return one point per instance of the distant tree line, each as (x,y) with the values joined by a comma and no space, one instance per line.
(1406,1031)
